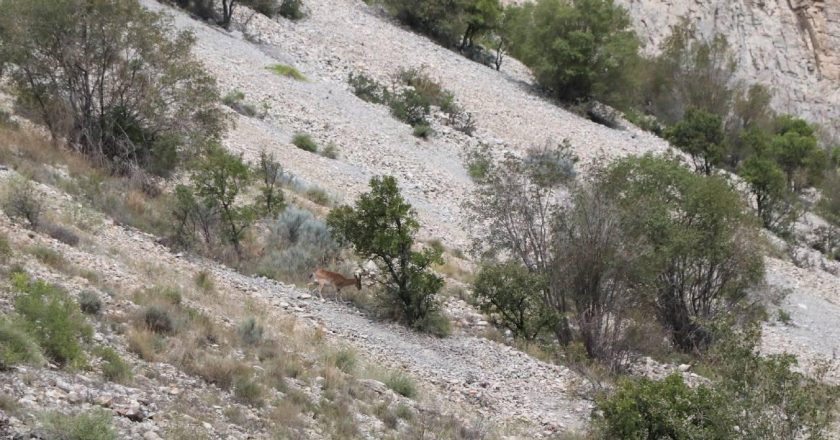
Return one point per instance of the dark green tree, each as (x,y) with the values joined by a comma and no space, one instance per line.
(575,48)
(512,296)
(700,134)
(775,204)
(381,227)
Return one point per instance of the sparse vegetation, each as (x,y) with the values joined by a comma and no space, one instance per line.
(292,9)
(330,151)
(23,202)
(402,385)
(288,71)
(236,101)
(89,302)
(114,368)
(17,346)
(53,318)
(298,243)
(92,425)
(270,172)
(250,331)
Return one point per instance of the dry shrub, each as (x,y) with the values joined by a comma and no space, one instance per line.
(217,370)
(144,343)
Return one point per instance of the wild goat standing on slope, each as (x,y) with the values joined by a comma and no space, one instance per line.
(324,277)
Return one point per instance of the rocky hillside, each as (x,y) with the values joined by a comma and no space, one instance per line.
(792,46)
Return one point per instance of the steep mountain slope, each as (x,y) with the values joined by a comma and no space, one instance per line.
(792,46)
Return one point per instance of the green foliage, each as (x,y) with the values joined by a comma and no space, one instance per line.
(776,206)
(668,408)
(751,397)
(512,296)
(699,242)
(318,196)
(114,368)
(422,131)
(269,171)
(345,360)
(829,204)
(53,318)
(91,425)
(250,331)
(292,9)
(367,88)
(5,249)
(219,178)
(402,385)
(289,71)
(478,161)
(450,22)
(90,303)
(381,227)
(700,134)
(795,150)
(783,316)
(305,142)
(49,257)
(576,49)
(269,8)
(149,123)
(16,346)
(22,201)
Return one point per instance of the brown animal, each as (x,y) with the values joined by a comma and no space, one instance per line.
(323,277)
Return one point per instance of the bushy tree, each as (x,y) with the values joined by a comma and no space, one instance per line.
(775,204)
(699,243)
(751,112)
(514,208)
(480,16)
(513,297)
(272,201)
(700,134)
(381,227)
(110,77)
(219,179)
(795,150)
(575,48)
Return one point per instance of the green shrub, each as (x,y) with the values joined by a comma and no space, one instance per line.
(330,151)
(114,368)
(250,332)
(158,319)
(60,233)
(434,323)
(248,391)
(318,196)
(204,281)
(401,384)
(53,318)
(422,131)
(784,317)
(700,134)
(292,9)
(90,303)
(289,71)
(49,257)
(270,172)
(22,201)
(381,227)
(510,295)
(92,425)
(305,142)
(345,360)
(367,88)
(269,8)
(478,161)
(16,346)
(5,249)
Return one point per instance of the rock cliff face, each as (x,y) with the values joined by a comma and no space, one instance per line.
(792,46)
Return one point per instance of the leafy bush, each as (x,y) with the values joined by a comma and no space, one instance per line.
(345,360)
(452,23)
(22,201)
(750,397)
(512,297)
(576,49)
(381,227)
(204,281)
(91,425)
(298,243)
(114,368)
(16,346)
(700,134)
(5,249)
(53,318)
(250,332)
(123,122)
(318,196)
(367,88)
(478,161)
(700,241)
(269,8)
(776,206)
(289,71)
(270,172)
(305,142)
(401,384)
(292,9)
(89,302)
(248,391)
(49,257)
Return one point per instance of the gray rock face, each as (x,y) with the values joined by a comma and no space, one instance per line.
(792,46)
